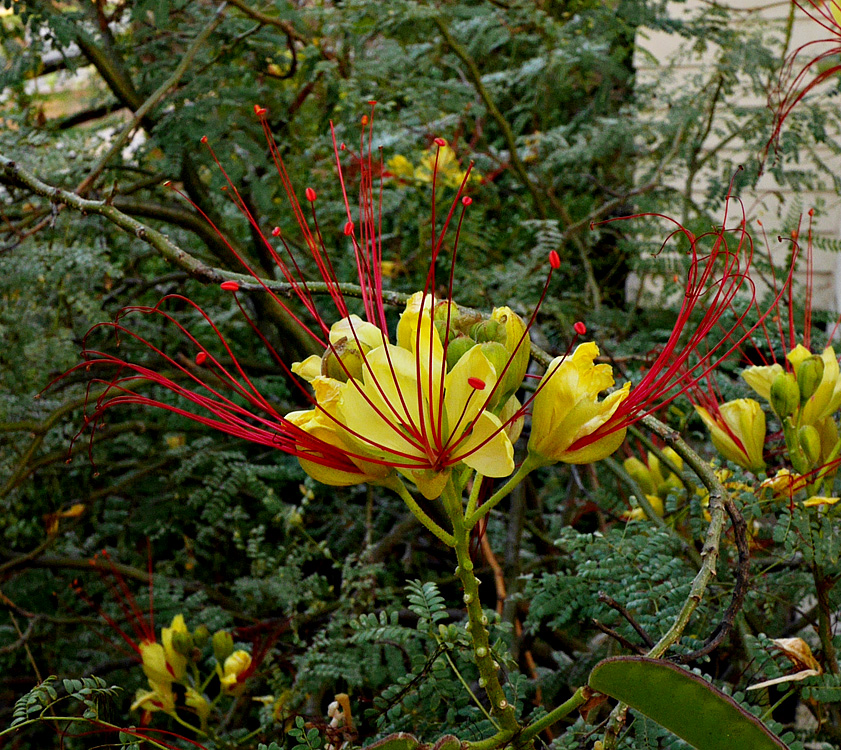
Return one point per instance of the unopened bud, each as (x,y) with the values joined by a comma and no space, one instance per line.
(640,474)
(487,330)
(201,635)
(810,442)
(342,361)
(518,344)
(809,376)
(785,395)
(457,348)
(182,643)
(223,645)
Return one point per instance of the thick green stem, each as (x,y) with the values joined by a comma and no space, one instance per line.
(578,699)
(488,668)
(823,585)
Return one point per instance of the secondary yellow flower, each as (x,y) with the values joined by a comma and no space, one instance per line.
(161,662)
(567,409)
(231,674)
(738,432)
(159,698)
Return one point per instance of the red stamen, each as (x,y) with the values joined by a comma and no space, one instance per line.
(259,111)
(276,232)
(554,260)
(201,358)
(476,383)
(440,142)
(310,195)
(466,201)
(348,230)
(580,328)
(230,286)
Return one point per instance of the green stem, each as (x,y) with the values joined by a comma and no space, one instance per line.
(469,691)
(477,620)
(522,472)
(578,699)
(406,496)
(473,500)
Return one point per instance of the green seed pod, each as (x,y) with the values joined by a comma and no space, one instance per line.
(640,474)
(487,330)
(809,376)
(785,395)
(223,645)
(350,365)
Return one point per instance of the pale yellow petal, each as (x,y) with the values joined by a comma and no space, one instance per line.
(487,448)
(760,378)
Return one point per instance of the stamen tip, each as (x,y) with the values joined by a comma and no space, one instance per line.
(203,139)
(466,201)
(201,358)
(554,259)
(276,232)
(230,286)
(259,111)
(476,383)
(310,194)
(440,142)
(348,229)
(580,328)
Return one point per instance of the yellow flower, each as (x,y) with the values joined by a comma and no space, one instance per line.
(231,673)
(817,500)
(784,484)
(159,698)
(738,432)
(449,169)
(760,378)
(827,397)
(567,409)
(317,424)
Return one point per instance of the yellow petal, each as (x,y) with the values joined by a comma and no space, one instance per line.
(178,662)
(466,388)
(309,369)
(760,378)
(797,355)
(495,457)
(813,501)
(357,331)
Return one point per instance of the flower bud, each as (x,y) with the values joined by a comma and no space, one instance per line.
(201,635)
(487,330)
(231,674)
(785,395)
(639,472)
(457,348)
(223,645)
(809,376)
(342,361)
(497,355)
(182,643)
(810,443)
(518,344)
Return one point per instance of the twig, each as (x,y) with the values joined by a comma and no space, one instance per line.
(636,648)
(613,604)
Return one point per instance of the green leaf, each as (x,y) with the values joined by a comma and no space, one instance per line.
(683,703)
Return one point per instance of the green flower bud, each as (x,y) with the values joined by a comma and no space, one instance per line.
(809,376)
(518,344)
(810,443)
(487,330)
(223,645)
(201,635)
(182,643)
(785,395)
(457,348)
(498,356)
(350,365)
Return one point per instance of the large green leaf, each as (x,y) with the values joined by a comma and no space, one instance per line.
(683,703)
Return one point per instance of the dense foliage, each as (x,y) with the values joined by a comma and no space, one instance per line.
(341,592)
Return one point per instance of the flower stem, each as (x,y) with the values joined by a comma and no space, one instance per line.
(400,488)
(477,621)
(522,472)
(578,699)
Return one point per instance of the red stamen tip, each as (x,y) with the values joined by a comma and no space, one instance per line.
(372,102)
(811,212)
(554,259)
(201,358)
(580,328)
(466,201)
(348,229)
(310,193)
(440,142)
(230,286)
(168,183)
(276,232)
(364,119)
(342,147)
(476,383)
(259,111)
(203,139)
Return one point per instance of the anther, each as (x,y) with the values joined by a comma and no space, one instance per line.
(259,111)
(466,201)
(364,120)
(554,259)
(348,229)
(203,139)
(580,328)
(440,142)
(276,232)
(310,193)
(230,286)
(476,383)
(201,358)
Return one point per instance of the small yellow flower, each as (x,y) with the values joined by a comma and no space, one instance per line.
(817,500)
(159,698)
(784,484)
(567,409)
(738,432)
(229,674)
